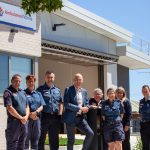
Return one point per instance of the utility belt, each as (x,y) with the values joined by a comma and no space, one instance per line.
(112,122)
(52,114)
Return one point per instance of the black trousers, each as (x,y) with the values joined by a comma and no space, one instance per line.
(50,124)
(145,135)
(16,133)
(126,143)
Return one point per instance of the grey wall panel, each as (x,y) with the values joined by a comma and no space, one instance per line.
(123,78)
(74,34)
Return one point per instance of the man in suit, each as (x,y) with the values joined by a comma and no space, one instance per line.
(76,106)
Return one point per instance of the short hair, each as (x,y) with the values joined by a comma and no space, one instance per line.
(30,77)
(48,72)
(121,89)
(97,90)
(110,89)
(145,86)
(77,75)
(15,76)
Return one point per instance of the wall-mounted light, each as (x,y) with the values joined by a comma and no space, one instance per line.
(56,25)
(14,31)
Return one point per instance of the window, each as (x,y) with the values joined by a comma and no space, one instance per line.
(10,65)
(21,66)
(4,77)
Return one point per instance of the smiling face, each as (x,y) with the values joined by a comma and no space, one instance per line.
(111,94)
(16,81)
(78,80)
(120,95)
(98,94)
(49,79)
(30,84)
(146,91)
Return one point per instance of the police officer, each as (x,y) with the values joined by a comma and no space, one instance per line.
(144,110)
(121,95)
(36,103)
(112,112)
(18,111)
(51,113)
(96,103)
(76,106)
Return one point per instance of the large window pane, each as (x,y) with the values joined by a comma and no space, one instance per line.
(21,66)
(4,79)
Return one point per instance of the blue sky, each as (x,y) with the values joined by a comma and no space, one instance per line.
(134,15)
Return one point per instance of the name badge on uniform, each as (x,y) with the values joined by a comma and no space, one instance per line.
(46,93)
(106,106)
(28,96)
(147,105)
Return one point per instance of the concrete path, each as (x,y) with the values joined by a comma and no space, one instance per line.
(78,147)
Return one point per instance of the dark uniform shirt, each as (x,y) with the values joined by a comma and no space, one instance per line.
(16,99)
(112,110)
(144,109)
(35,100)
(52,98)
(128,112)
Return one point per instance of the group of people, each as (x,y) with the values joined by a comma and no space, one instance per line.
(34,113)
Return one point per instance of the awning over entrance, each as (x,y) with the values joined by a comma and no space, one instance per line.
(75,55)
(132,58)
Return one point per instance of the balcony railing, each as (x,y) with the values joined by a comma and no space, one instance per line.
(140,44)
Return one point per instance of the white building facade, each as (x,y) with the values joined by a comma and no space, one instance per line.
(68,41)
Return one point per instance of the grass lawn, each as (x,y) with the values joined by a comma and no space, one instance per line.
(63,141)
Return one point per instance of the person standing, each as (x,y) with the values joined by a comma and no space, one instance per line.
(96,103)
(51,113)
(76,105)
(17,107)
(112,113)
(144,110)
(36,103)
(121,95)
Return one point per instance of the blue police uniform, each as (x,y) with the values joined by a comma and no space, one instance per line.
(50,120)
(16,132)
(144,110)
(113,129)
(35,100)
(126,122)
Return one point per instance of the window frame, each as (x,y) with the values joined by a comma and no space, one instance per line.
(9,64)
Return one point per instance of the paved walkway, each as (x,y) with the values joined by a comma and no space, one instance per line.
(78,147)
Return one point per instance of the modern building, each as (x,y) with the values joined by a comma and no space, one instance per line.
(68,41)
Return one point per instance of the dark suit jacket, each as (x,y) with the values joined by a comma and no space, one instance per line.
(70,103)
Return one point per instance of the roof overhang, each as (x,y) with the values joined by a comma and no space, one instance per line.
(75,55)
(132,58)
(93,22)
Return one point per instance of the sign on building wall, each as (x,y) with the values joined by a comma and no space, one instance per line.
(15,16)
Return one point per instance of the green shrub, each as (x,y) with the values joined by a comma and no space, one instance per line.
(138,145)
(63,141)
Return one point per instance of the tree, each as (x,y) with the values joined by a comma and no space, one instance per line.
(34,6)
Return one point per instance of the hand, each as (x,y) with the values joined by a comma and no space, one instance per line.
(33,115)
(24,120)
(93,106)
(126,128)
(84,109)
